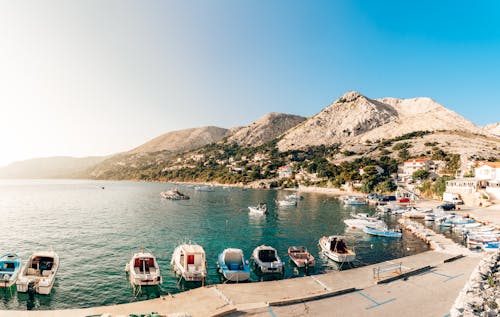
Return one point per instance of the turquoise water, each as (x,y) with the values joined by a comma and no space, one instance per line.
(95,231)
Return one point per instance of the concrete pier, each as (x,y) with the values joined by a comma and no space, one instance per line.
(355,292)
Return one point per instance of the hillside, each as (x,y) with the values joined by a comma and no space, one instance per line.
(50,167)
(265,129)
(354,118)
(182,140)
(493,129)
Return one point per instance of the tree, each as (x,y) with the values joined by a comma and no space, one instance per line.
(404,154)
(420,174)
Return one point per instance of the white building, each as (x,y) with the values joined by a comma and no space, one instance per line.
(487,171)
(285,171)
(412,165)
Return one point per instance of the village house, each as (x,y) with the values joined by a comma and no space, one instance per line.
(485,185)
(285,171)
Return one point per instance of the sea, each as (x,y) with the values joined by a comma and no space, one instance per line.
(96,226)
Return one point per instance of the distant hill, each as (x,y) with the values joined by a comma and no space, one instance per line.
(493,129)
(182,140)
(265,129)
(354,118)
(50,167)
(129,164)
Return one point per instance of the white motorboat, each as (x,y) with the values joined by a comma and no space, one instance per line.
(39,273)
(260,209)
(362,223)
(294,196)
(354,200)
(334,248)
(287,202)
(189,262)
(143,269)
(266,259)
(173,194)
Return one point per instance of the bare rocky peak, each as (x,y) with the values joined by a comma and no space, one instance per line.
(182,140)
(349,116)
(493,129)
(265,129)
(354,118)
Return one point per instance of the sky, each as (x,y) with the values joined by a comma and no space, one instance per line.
(96,77)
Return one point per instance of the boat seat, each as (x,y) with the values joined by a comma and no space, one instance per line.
(46,273)
(31,271)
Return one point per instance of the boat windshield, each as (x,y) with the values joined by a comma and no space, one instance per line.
(267,255)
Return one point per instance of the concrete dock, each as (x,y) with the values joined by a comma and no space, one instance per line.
(353,292)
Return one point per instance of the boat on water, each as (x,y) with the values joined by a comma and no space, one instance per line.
(301,257)
(491,246)
(266,260)
(189,262)
(354,200)
(294,196)
(287,202)
(335,248)
(10,265)
(173,194)
(382,233)
(143,269)
(38,273)
(456,221)
(260,209)
(361,223)
(204,188)
(232,265)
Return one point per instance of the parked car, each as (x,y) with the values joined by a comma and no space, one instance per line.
(404,200)
(373,196)
(447,206)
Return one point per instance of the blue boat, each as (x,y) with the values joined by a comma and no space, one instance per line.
(382,232)
(10,265)
(232,265)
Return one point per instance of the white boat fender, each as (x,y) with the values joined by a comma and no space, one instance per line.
(6,277)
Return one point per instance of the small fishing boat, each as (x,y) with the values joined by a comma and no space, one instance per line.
(266,259)
(361,223)
(173,194)
(260,209)
(189,262)
(204,188)
(301,257)
(39,273)
(287,202)
(294,196)
(232,265)
(335,248)
(354,200)
(490,246)
(143,269)
(456,221)
(10,265)
(382,233)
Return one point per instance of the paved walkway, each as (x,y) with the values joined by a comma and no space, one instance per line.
(429,294)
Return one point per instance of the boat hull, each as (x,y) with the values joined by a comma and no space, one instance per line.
(347,257)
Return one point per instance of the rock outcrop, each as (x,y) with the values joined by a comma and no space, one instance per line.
(265,129)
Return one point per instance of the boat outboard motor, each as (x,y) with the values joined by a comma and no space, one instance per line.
(31,290)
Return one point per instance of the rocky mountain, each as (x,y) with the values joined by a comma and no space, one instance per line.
(493,129)
(354,118)
(50,167)
(265,129)
(182,140)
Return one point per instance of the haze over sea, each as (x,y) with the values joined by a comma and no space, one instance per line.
(95,231)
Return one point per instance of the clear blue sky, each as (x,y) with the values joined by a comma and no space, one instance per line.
(97,77)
